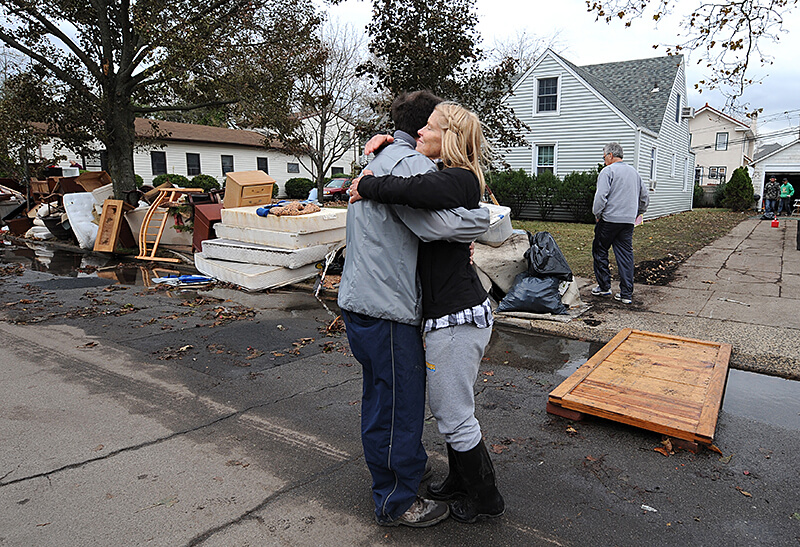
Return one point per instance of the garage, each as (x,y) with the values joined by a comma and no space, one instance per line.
(781,163)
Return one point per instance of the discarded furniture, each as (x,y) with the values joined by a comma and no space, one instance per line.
(243,188)
(111,225)
(155,221)
(205,216)
(658,382)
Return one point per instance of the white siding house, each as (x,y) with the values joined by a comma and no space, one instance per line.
(573,111)
(190,149)
(721,144)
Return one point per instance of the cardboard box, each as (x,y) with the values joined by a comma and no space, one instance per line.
(248,188)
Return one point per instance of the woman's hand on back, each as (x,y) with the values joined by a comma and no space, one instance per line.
(376,143)
(353,190)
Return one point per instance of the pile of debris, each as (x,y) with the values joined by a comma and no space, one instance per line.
(257,249)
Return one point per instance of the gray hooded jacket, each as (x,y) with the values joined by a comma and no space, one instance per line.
(380,269)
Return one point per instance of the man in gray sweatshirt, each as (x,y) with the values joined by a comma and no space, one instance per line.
(620,198)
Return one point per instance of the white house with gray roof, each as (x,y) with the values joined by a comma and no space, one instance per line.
(573,111)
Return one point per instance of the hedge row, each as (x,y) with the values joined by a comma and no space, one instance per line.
(518,189)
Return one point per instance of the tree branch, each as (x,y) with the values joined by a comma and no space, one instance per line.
(63,75)
(179,108)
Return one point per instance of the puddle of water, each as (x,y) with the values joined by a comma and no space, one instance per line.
(40,257)
(766,399)
(539,352)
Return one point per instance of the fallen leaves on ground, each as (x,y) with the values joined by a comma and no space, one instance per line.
(743,492)
(498,448)
(571,430)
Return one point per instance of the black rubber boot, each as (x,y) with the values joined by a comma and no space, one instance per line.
(483,500)
(452,486)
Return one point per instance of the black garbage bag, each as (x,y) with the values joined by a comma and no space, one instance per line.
(545,259)
(534,294)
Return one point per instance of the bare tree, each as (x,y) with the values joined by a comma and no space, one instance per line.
(326,106)
(729,35)
(523,48)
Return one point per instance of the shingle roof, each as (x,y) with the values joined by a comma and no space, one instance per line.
(766,150)
(201,133)
(628,86)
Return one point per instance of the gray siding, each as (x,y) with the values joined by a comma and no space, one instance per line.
(585,122)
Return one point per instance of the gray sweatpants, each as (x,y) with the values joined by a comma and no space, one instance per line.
(453,355)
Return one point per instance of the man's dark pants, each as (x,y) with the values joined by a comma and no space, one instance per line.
(392,408)
(620,237)
(770,205)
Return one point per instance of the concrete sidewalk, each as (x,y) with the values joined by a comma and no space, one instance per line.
(743,289)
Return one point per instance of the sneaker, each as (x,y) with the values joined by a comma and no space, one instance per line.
(619,298)
(421,514)
(597,291)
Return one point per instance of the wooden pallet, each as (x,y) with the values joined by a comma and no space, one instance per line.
(658,382)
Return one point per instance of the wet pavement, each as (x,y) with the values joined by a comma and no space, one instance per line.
(135,414)
(743,289)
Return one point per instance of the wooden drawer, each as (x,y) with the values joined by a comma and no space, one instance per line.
(257,190)
(255,200)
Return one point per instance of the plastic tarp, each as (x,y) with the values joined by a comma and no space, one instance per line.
(79,207)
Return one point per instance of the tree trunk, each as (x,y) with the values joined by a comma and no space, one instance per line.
(120,138)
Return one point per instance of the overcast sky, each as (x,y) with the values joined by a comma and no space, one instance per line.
(585,41)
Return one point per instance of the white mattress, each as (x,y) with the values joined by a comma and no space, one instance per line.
(252,253)
(282,240)
(246,217)
(252,277)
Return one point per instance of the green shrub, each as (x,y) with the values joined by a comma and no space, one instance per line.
(177,180)
(577,195)
(274,190)
(739,191)
(511,188)
(298,187)
(719,195)
(546,193)
(139,181)
(206,182)
(697,197)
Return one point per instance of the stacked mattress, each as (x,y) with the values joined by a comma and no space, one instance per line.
(259,253)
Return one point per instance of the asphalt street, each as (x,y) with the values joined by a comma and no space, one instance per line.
(137,416)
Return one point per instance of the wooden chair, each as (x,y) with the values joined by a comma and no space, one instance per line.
(155,220)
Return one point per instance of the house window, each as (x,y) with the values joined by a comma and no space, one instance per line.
(92,162)
(717,173)
(158,163)
(192,164)
(292,167)
(227,164)
(652,164)
(698,175)
(685,174)
(263,164)
(337,171)
(678,109)
(547,95)
(545,158)
(722,141)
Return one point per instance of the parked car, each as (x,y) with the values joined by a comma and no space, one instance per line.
(336,189)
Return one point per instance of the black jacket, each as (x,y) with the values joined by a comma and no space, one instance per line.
(449,282)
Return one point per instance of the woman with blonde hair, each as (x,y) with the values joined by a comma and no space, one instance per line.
(456,311)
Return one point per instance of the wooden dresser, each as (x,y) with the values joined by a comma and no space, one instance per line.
(244,188)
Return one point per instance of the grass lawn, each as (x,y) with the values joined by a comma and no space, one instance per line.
(667,240)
